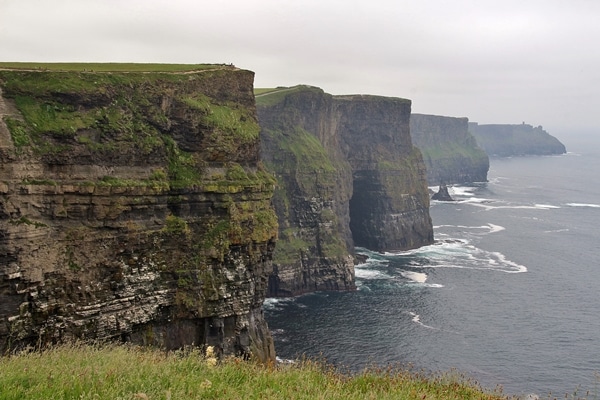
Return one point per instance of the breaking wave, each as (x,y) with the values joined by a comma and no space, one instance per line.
(447,253)
(583,205)
(416,318)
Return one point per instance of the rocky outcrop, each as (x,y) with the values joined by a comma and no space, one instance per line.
(515,140)
(134,207)
(442,194)
(347,174)
(450,152)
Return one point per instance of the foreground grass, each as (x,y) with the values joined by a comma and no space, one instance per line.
(120,372)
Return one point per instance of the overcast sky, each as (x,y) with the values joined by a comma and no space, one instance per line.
(492,61)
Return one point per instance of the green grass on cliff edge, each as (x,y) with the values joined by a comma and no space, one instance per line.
(121,372)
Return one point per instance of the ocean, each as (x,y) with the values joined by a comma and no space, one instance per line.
(508,294)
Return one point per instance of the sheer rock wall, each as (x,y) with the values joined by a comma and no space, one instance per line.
(133,207)
(347,174)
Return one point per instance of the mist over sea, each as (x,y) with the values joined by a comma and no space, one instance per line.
(508,294)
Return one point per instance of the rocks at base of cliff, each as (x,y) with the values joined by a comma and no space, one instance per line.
(506,140)
(347,174)
(134,208)
(442,194)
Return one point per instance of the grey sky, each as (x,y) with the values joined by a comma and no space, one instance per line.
(505,61)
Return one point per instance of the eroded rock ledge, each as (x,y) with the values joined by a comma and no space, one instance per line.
(133,206)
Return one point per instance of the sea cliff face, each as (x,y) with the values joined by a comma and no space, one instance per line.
(347,174)
(389,207)
(134,207)
(450,152)
(300,144)
(515,140)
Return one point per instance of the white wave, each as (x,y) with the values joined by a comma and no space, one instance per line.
(491,228)
(272,303)
(545,206)
(433,285)
(499,259)
(284,360)
(416,318)
(558,230)
(364,273)
(361,286)
(488,207)
(497,179)
(418,277)
(373,257)
(476,200)
(583,205)
(465,191)
(495,228)
(460,254)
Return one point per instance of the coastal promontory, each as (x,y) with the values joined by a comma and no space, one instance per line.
(348,174)
(133,207)
(505,140)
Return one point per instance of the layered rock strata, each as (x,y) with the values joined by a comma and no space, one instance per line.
(450,152)
(133,206)
(347,174)
(505,140)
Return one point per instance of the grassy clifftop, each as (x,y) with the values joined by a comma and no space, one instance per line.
(102,111)
(136,373)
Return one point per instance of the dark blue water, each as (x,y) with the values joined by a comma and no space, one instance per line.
(508,294)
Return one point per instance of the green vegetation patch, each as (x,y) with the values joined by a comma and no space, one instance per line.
(121,372)
(268,97)
(18,132)
(290,246)
(54,117)
(176,225)
(302,155)
(452,150)
(116,113)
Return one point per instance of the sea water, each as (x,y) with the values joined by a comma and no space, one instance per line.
(508,294)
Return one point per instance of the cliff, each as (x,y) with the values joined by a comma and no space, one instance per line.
(515,140)
(134,207)
(347,174)
(450,152)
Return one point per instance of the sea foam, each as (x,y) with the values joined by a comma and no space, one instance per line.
(418,277)
(416,318)
(583,205)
